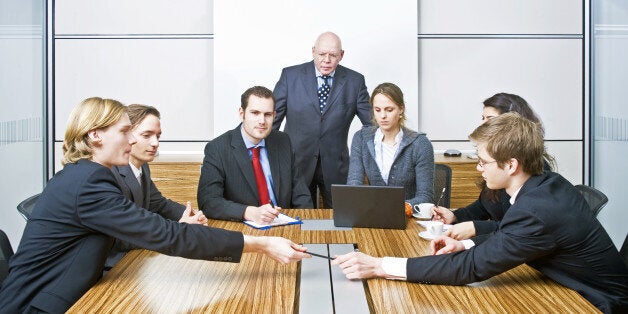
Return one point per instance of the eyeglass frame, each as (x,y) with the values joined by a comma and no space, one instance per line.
(481,164)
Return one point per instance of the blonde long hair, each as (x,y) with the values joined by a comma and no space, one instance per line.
(91,114)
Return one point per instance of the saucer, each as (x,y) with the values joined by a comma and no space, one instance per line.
(427,235)
(418,216)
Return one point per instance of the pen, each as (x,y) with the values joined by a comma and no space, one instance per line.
(441,196)
(319,255)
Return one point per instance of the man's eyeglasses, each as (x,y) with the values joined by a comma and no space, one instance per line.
(482,163)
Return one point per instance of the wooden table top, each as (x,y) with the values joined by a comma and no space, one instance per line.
(145,281)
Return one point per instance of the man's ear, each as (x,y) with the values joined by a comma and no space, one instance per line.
(241,113)
(513,166)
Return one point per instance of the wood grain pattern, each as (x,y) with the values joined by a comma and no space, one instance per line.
(148,282)
(464,178)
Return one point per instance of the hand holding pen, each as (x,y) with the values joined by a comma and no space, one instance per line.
(264,214)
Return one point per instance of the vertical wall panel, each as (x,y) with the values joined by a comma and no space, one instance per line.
(500,17)
(134,17)
(173,75)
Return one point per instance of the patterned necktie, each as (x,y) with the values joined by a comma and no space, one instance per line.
(260,179)
(139,178)
(323,92)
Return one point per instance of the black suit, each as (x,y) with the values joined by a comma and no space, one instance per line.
(551,228)
(146,196)
(66,241)
(227,184)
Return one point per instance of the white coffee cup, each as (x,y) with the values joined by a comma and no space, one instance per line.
(424,209)
(435,228)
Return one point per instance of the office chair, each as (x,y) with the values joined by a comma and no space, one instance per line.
(623,252)
(595,198)
(442,179)
(26,206)
(5,253)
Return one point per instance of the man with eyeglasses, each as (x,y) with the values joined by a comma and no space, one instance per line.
(319,100)
(549,226)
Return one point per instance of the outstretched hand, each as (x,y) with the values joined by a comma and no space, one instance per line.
(445,245)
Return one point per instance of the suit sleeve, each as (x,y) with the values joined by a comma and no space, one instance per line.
(281,99)
(424,172)
(356,167)
(364,111)
(161,205)
(211,188)
(102,208)
(523,237)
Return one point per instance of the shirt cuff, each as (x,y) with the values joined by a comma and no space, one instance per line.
(468,244)
(394,267)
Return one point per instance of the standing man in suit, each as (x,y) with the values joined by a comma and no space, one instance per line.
(319,100)
(249,172)
(549,226)
(135,181)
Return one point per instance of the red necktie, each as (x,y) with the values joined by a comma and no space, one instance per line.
(260,179)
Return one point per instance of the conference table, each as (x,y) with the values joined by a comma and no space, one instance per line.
(148,282)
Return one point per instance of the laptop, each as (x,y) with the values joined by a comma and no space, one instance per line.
(368,206)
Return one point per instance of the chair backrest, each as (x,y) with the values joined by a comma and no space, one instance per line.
(26,206)
(624,251)
(442,179)
(5,253)
(595,198)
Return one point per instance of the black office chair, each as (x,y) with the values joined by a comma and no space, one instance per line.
(595,198)
(624,251)
(5,253)
(26,206)
(442,179)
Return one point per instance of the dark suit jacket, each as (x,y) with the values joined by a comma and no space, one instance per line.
(310,131)
(227,184)
(66,241)
(146,196)
(485,212)
(551,228)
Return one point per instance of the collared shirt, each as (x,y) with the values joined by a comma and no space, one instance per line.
(136,172)
(385,154)
(263,158)
(319,78)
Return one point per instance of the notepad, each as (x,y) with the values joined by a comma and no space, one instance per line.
(281,220)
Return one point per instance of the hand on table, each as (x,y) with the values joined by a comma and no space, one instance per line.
(280,249)
(357,265)
(191,216)
(445,245)
(443,214)
(263,215)
(461,231)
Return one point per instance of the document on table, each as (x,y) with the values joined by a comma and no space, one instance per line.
(281,220)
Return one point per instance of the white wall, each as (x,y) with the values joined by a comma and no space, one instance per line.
(166,54)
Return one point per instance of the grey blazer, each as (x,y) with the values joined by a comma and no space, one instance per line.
(227,183)
(147,196)
(413,167)
(313,132)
